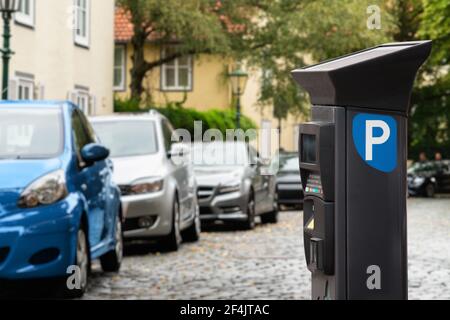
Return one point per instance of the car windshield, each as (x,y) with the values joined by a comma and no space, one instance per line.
(128,138)
(30,133)
(290,164)
(219,154)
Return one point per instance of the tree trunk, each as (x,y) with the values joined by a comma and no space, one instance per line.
(139,66)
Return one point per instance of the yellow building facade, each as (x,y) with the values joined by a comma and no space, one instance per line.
(200,81)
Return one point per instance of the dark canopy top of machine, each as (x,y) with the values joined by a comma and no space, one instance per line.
(378,78)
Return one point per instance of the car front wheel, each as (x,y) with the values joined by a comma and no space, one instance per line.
(192,234)
(429,191)
(173,240)
(112,260)
(249,223)
(76,283)
(272,216)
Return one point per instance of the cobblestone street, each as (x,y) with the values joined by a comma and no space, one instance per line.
(429,249)
(268,263)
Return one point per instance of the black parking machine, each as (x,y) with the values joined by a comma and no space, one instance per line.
(353,157)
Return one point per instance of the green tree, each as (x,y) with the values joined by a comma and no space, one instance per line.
(408,18)
(293,33)
(436,25)
(429,128)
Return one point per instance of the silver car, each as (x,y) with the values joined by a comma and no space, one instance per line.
(231,186)
(158,193)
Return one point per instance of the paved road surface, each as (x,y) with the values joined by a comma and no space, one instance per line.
(268,263)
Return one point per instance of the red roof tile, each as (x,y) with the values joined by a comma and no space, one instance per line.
(123,27)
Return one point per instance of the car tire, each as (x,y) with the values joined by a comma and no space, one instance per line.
(249,223)
(430,190)
(192,234)
(172,241)
(112,260)
(83,264)
(272,216)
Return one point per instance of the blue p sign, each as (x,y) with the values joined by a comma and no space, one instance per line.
(375,138)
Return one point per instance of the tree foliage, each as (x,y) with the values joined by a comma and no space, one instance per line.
(293,33)
(429,128)
(436,25)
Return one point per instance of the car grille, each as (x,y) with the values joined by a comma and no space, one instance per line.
(125,190)
(3,254)
(205,192)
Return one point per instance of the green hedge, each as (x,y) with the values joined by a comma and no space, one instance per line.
(184,118)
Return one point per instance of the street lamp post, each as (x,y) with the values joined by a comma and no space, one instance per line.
(238,82)
(7,8)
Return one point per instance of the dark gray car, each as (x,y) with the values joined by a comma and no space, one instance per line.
(231,186)
(289,184)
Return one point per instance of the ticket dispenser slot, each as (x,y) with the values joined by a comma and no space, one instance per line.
(319,235)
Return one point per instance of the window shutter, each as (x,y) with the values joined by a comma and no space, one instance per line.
(12,89)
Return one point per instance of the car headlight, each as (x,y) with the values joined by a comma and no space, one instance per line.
(46,190)
(230,188)
(418,181)
(148,185)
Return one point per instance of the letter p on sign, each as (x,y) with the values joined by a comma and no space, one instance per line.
(371,140)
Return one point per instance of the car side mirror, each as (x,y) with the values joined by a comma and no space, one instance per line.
(94,152)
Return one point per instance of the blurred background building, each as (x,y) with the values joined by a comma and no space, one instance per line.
(64,49)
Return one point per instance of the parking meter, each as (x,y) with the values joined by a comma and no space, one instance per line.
(353,167)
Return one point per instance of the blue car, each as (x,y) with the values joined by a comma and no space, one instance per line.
(59,208)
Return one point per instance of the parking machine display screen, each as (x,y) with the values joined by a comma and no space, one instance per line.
(309,148)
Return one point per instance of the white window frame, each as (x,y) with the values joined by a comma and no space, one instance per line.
(24,83)
(82,40)
(23,18)
(122,68)
(176,67)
